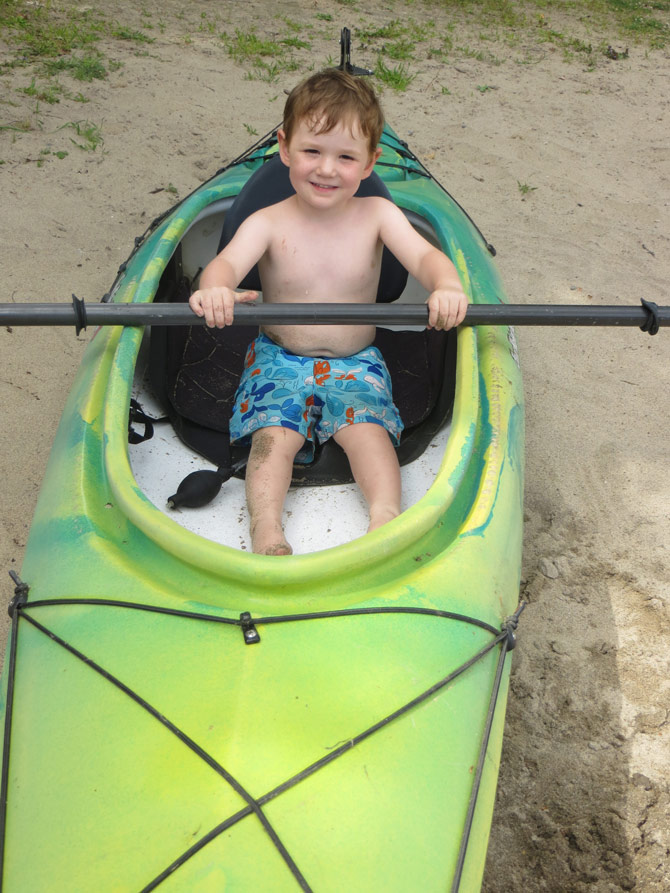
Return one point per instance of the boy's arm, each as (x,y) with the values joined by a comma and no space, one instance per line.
(447,302)
(216,297)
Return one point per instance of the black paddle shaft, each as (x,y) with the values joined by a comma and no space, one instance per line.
(647,316)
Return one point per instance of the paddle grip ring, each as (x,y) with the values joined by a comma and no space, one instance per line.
(651,323)
(79,314)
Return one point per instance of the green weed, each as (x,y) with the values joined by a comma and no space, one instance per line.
(123,33)
(81,68)
(49,31)
(639,19)
(392,31)
(248,47)
(273,71)
(444,49)
(296,27)
(296,43)
(89,133)
(47,152)
(42,31)
(397,78)
(18,126)
(525,188)
(49,93)
(403,32)
(400,50)
(479,55)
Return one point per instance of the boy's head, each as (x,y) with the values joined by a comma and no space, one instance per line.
(333,97)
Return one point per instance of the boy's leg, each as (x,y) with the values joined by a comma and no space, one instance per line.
(267,481)
(374,465)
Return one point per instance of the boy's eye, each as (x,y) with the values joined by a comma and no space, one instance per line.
(347,157)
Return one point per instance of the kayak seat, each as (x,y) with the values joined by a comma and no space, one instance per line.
(195,371)
(271,184)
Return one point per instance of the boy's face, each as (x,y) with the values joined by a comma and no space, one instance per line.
(326,168)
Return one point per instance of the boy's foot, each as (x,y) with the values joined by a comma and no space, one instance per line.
(267,538)
(380,517)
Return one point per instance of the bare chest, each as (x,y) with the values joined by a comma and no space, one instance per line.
(304,262)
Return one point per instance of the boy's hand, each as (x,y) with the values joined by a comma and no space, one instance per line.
(446,308)
(217,304)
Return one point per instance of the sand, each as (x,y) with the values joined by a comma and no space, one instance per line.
(583,800)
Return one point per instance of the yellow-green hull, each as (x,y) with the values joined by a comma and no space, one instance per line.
(155,749)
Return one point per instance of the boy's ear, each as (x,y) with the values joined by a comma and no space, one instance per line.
(371,163)
(283,147)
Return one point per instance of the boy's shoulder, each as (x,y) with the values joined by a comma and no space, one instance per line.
(267,215)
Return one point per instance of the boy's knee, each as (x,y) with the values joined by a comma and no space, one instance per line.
(367,434)
(268,441)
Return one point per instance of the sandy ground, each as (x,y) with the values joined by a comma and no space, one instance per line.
(583,802)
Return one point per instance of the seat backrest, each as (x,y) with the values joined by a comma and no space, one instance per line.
(271,184)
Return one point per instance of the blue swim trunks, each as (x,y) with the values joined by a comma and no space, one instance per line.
(314,396)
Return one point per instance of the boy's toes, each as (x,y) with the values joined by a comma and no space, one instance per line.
(278,549)
(267,538)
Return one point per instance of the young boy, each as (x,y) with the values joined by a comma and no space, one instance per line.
(322,244)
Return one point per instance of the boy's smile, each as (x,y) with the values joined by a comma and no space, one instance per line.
(326,168)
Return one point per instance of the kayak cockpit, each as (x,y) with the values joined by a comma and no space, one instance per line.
(191,374)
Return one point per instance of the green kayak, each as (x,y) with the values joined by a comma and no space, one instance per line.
(183,715)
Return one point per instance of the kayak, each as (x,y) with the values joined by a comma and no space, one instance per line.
(182,715)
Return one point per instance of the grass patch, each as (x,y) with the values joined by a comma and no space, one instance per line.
(400,50)
(247,46)
(640,19)
(525,188)
(644,21)
(89,134)
(123,33)
(82,68)
(40,32)
(397,78)
(296,43)
(17,127)
(49,93)
(47,31)
(409,32)
(268,58)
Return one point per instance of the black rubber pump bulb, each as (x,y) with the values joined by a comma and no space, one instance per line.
(200,487)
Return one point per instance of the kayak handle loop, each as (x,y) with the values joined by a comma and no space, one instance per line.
(651,323)
(21,591)
(510,625)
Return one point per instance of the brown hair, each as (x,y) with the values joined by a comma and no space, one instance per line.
(331,97)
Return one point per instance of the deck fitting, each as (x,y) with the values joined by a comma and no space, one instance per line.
(249,631)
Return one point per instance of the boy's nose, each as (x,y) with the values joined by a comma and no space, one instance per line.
(326,165)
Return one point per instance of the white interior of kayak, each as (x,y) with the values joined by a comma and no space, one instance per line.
(315,517)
